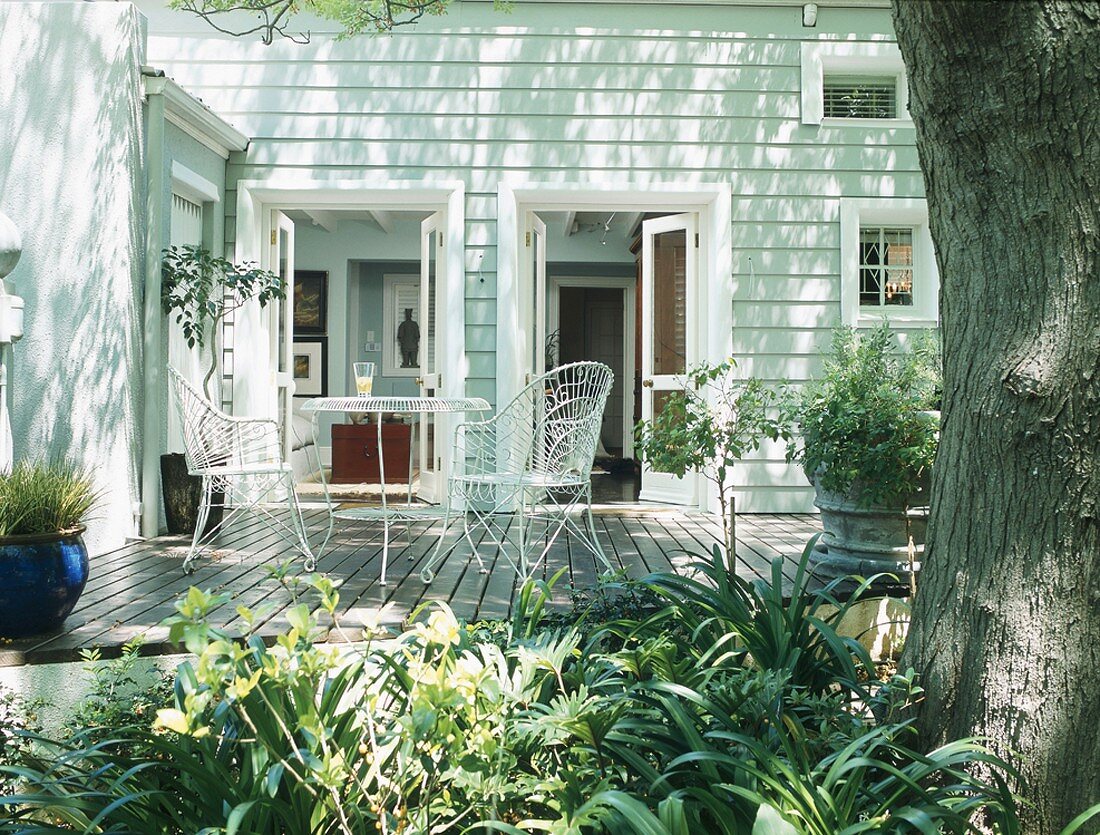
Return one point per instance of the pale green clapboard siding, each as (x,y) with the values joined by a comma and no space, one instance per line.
(564,93)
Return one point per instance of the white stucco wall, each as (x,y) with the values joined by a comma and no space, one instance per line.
(70,163)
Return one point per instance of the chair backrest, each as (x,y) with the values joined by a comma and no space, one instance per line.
(209,436)
(569,406)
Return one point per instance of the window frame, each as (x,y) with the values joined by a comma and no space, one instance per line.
(873,60)
(912,213)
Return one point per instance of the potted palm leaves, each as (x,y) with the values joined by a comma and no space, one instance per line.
(43,559)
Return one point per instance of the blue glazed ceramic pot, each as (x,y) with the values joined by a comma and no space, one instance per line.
(41,578)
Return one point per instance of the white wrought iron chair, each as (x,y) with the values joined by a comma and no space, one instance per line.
(240,461)
(534,457)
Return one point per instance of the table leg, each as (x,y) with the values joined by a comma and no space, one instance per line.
(324,487)
(385,512)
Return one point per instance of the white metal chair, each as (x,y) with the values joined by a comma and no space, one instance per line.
(241,463)
(535,456)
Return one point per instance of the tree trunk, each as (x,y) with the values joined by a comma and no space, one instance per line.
(1005,97)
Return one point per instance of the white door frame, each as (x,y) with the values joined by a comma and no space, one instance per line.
(629,287)
(255,199)
(712,201)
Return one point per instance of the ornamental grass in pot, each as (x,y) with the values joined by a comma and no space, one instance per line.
(866,435)
(43,559)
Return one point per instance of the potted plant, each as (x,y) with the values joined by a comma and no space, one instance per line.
(43,560)
(867,434)
(708,428)
(198,292)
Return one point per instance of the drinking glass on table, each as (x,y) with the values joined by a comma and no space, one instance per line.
(364,378)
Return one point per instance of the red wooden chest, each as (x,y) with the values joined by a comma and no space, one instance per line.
(355,452)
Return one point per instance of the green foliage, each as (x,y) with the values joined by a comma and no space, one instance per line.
(710,426)
(865,424)
(201,290)
(722,708)
(275,18)
(44,499)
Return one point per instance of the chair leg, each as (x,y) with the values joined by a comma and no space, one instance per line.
(298,523)
(200,525)
(594,544)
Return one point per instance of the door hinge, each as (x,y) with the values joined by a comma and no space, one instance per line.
(696,240)
(274,237)
(527,239)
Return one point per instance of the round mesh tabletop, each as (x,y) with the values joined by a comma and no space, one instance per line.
(396,404)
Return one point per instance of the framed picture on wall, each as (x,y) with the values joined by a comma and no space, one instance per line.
(309,367)
(404,331)
(310,301)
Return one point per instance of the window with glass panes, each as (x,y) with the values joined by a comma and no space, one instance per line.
(885,266)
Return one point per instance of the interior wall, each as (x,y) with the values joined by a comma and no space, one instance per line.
(370,313)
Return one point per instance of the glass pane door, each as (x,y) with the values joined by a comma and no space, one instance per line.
(281,325)
(669,334)
(432,445)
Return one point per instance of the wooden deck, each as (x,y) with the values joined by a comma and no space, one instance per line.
(133,589)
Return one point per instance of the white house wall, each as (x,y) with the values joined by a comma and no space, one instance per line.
(606,94)
(70,165)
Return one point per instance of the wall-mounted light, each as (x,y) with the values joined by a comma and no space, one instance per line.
(809,14)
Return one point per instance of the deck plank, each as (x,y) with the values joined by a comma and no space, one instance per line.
(133,588)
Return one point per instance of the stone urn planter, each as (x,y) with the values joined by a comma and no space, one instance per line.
(41,578)
(865,540)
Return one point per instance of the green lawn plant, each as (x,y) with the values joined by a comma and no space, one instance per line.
(865,426)
(199,291)
(38,499)
(708,427)
(731,709)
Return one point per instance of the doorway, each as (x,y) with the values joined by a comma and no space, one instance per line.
(620,286)
(317,238)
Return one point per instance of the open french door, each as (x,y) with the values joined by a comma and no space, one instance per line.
(432,444)
(281,325)
(533,297)
(669,334)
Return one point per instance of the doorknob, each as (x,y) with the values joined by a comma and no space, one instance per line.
(420,381)
(647,383)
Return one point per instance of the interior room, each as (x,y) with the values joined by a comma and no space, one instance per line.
(357,298)
(593,310)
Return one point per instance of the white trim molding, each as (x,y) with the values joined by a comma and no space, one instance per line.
(193,117)
(888,211)
(865,58)
(191,186)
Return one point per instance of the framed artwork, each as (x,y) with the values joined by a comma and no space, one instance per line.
(309,367)
(404,332)
(310,301)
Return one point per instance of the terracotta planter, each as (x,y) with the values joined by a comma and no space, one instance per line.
(41,578)
(867,540)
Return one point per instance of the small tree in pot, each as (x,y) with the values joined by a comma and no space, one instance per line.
(708,428)
(199,291)
(866,440)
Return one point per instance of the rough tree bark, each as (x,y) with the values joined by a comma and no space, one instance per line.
(1005,97)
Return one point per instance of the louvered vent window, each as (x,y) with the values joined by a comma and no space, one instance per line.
(885,266)
(860,97)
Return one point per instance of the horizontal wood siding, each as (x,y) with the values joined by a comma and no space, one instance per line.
(593,92)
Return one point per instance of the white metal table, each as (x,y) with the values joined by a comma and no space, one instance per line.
(377,406)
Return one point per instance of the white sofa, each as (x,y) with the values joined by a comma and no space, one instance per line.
(303,453)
